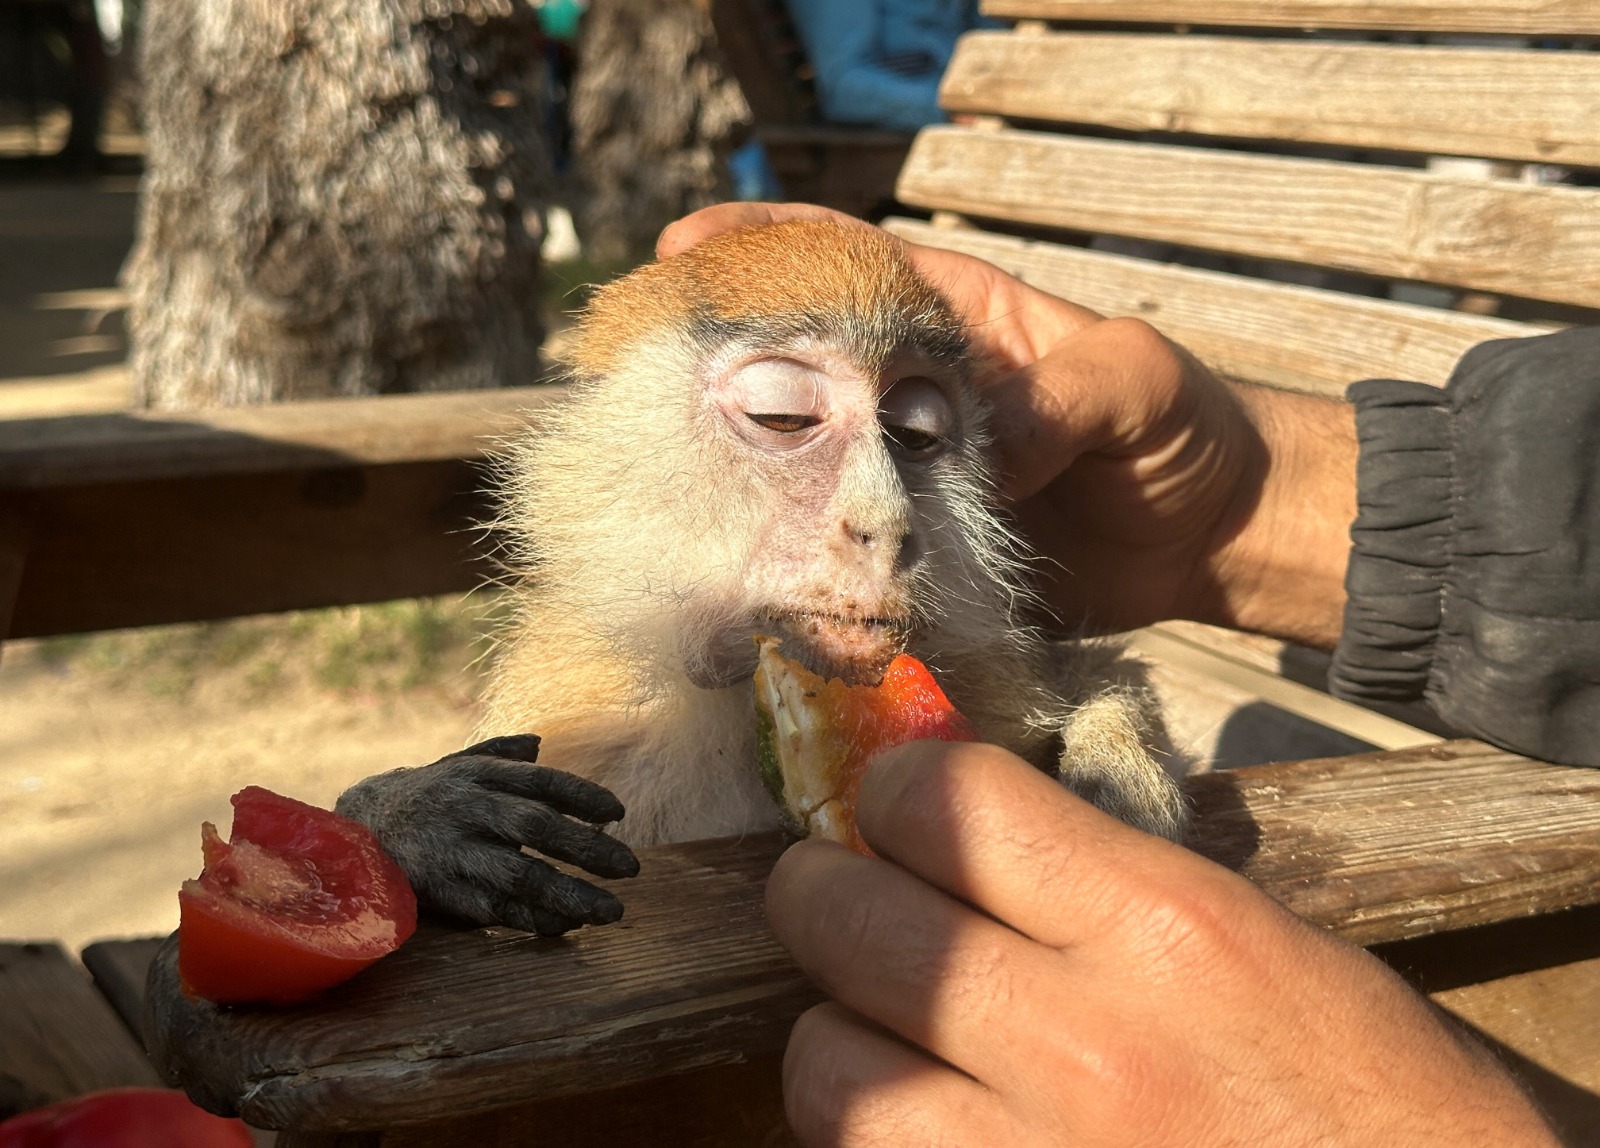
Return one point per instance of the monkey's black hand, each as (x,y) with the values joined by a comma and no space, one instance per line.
(457,827)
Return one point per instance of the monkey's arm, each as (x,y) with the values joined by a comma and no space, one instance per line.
(457,827)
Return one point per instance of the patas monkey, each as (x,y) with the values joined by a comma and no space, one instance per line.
(773,432)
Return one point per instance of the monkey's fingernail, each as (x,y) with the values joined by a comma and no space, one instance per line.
(608,857)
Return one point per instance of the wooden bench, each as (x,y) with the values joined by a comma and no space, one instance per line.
(1474,872)
(851,169)
(136,519)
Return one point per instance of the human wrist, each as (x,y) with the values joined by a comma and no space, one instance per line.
(1280,561)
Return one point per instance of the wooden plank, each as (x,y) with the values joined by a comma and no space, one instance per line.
(16,530)
(1298,338)
(729,1106)
(1315,705)
(1297,664)
(1409,842)
(1378,847)
(1221,725)
(120,969)
(747,44)
(190,549)
(463,1020)
(1551,1016)
(138,445)
(1537,106)
(58,1037)
(1542,242)
(1516,17)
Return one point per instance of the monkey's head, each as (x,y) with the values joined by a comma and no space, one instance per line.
(772,432)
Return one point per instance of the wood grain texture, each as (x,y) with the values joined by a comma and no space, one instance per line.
(464,1020)
(1298,338)
(1537,106)
(1527,17)
(136,445)
(1551,1016)
(58,1037)
(1378,847)
(1541,242)
(110,555)
(1401,844)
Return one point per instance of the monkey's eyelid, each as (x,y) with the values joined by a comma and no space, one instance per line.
(916,442)
(783,424)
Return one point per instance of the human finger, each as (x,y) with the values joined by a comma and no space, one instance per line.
(992,831)
(924,966)
(847,1082)
(708,221)
(1110,386)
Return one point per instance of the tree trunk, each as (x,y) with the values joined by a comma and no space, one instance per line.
(342,197)
(653,110)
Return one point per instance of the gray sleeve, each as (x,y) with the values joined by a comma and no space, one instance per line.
(1474,577)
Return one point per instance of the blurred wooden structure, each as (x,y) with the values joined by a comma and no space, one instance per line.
(1256,194)
(851,169)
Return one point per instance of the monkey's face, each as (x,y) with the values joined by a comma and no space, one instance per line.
(845,458)
(773,434)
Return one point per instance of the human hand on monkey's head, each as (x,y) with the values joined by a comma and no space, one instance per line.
(458,828)
(1157,490)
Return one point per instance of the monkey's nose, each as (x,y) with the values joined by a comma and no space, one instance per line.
(905,546)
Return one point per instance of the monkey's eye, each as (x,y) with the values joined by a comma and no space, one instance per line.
(916,418)
(779,395)
(783,424)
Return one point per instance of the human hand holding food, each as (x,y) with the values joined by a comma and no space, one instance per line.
(1017,968)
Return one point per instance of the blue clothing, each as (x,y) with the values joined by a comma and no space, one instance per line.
(878,62)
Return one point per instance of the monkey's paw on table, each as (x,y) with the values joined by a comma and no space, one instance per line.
(458,827)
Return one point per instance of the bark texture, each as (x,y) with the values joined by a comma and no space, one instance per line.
(653,110)
(343,197)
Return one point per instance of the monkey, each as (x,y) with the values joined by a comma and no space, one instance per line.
(776,432)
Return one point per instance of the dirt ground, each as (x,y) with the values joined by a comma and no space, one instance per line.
(107,772)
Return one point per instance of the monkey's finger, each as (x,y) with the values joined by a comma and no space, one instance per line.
(534,824)
(515,746)
(483,905)
(540,885)
(573,795)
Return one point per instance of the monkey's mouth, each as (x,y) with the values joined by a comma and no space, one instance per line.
(857,648)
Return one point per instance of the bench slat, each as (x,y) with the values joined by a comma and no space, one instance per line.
(1299,338)
(1542,242)
(58,1037)
(1546,18)
(108,556)
(140,445)
(1513,104)
(1378,847)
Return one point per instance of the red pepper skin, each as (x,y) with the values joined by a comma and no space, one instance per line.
(124,1118)
(298,900)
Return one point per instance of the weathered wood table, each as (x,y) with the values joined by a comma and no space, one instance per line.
(666,1028)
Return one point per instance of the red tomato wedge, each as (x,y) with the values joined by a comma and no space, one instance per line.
(296,901)
(815,736)
(124,1118)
